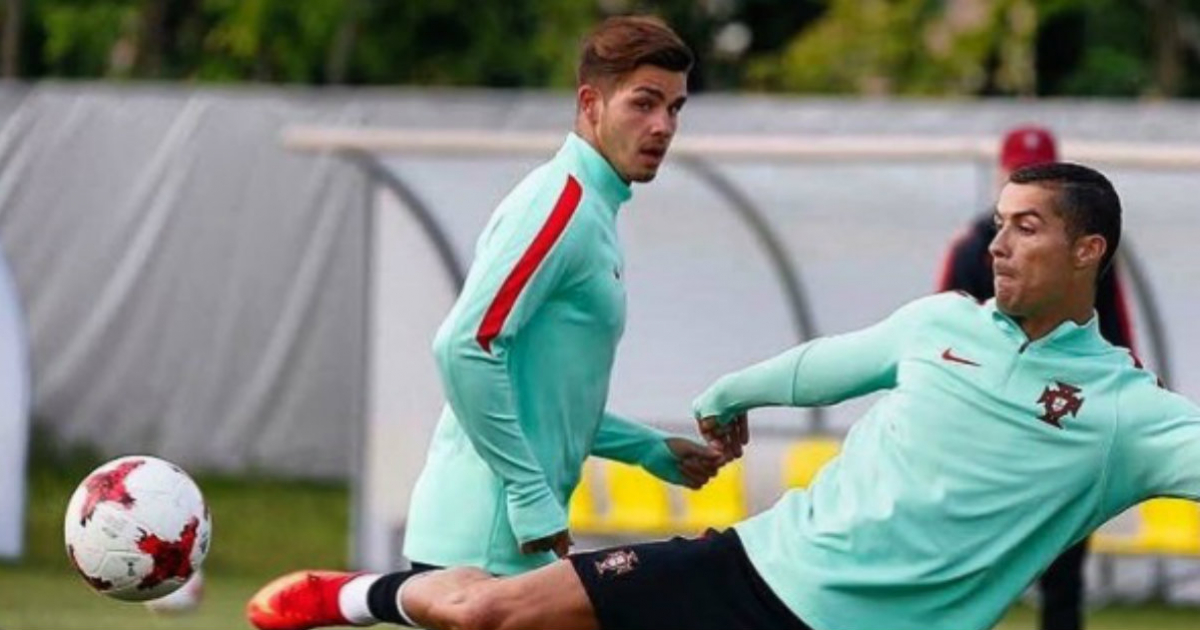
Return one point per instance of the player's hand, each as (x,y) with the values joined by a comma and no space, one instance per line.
(559,543)
(727,438)
(697,463)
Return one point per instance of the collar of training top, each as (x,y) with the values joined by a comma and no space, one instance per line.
(599,176)
(1067,333)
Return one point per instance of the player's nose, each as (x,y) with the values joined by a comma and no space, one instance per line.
(663,125)
(999,247)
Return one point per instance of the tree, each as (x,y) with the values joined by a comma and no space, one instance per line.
(464,42)
(922,47)
(10,49)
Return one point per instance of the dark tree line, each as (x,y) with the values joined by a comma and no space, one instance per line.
(919,47)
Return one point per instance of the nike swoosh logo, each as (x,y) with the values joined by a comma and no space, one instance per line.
(948,355)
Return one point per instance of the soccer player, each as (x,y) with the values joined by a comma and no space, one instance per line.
(968,267)
(1011,429)
(526,353)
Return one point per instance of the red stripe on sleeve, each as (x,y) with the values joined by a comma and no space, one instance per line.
(506,297)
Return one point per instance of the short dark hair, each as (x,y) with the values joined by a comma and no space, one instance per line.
(1086,201)
(619,45)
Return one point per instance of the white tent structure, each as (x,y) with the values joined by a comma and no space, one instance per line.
(14,416)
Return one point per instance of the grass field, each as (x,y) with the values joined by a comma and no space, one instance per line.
(261,529)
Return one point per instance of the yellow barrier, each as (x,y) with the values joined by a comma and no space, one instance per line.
(617,499)
(719,504)
(633,502)
(804,459)
(637,501)
(1165,527)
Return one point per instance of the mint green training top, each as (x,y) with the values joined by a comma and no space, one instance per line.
(989,456)
(525,358)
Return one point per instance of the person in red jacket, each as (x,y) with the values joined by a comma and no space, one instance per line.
(968,267)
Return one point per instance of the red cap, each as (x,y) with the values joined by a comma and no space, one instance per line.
(1026,146)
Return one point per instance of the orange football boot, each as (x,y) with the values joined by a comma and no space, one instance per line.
(299,601)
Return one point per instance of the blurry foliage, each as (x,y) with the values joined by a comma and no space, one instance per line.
(82,39)
(1120,48)
(983,47)
(922,47)
(873,47)
(266,39)
(466,42)
(444,42)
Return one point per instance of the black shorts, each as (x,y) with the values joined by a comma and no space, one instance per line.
(692,584)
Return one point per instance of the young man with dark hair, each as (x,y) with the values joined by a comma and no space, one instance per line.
(526,354)
(1010,430)
(968,267)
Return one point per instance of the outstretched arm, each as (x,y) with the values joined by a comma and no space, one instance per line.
(820,372)
(823,371)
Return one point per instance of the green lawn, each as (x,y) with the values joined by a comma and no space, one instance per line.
(261,529)
(1149,617)
(57,600)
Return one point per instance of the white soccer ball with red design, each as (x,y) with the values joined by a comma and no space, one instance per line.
(137,528)
(185,600)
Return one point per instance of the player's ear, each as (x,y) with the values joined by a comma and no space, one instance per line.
(590,99)
(1089,250)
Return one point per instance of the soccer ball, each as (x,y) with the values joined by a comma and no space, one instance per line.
(137,528)
(185,600)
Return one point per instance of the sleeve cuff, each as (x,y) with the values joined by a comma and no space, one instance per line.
(536,517)
(711,403)
(661,462)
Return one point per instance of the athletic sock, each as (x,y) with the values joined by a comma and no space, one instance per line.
(383,597)
(352,600)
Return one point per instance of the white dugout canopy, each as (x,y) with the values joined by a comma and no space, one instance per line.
(14,416)
(742,247)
